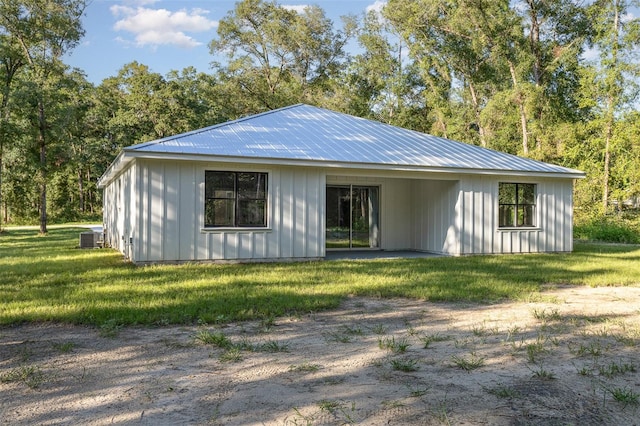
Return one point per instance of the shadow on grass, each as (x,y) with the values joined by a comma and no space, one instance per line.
(49,279)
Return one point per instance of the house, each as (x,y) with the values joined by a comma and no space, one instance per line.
(298,181)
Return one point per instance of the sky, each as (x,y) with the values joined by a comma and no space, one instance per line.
(166,35)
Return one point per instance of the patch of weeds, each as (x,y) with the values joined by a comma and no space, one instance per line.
(545,316)
(593,349)
(443,413)
(330,406)
(305,368)
(405,365)
(267,323)
(585,371)
(217,339)
(625,396)
(354,331)
(479,330)
(110,328)
(303,420)
(427,340)
(399,346)
(65,347)
(625,340)
(511,333)
(505,392)
(273,347)
(614,369)
(333,381)
(339,337)
(540,298)
(30,375)
(245,345)
(417,391)
(535,349)
(464,343)
(25,352)
(379,329)
(543,374)
(390,405)
(162,322)
(411,331)
(231,355)
(517,346)
(337,407)
(469,363)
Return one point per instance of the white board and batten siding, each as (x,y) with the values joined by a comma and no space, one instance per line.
(120,211)
(477,217)
(170,227)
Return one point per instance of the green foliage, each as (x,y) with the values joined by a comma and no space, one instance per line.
(512,77)
(608,228)
(32,376)
(405,365)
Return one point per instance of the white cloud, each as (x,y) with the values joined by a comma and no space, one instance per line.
(628,17)
(376,6)
(299,8)
(157,27)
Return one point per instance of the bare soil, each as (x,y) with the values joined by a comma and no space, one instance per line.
(570,355)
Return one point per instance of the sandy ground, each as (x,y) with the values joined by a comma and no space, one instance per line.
(568,356)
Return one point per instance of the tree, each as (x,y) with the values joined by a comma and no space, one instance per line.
(10,63)
(45,30)
(277,56)
(609,85)
(453,50)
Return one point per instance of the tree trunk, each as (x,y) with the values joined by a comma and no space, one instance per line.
(523,114)
(11,67)
(476,110)
(43,166)
(80,190)
(612,99)
(607,163)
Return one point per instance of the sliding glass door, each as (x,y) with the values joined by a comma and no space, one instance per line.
(352,217)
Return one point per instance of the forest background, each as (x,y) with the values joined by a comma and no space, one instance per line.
(510,75)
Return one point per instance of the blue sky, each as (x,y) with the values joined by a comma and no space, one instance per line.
(166,34)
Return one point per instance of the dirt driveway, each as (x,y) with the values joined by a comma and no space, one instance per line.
(570,355)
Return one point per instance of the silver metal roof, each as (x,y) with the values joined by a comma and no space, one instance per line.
(310,134)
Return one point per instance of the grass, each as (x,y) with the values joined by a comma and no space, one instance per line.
(397,346)
(31,376)
(405,365)
(48,279)
(469,363)
(625,396)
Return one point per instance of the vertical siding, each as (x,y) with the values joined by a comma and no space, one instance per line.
(434,221)
(119,211)
(160,205)
(479,228)
(395,214)
(171,202)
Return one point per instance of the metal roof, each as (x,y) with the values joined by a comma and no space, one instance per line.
(310,134)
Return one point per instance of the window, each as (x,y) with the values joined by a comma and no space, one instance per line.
(516,205)
(235,199)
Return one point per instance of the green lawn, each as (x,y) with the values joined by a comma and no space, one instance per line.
(49,279)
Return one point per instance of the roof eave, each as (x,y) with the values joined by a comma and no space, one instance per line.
(131,154)
(123,158)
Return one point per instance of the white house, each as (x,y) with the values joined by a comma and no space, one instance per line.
(298,181)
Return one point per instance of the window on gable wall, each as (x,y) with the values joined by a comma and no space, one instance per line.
(516,205)
(235,199)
